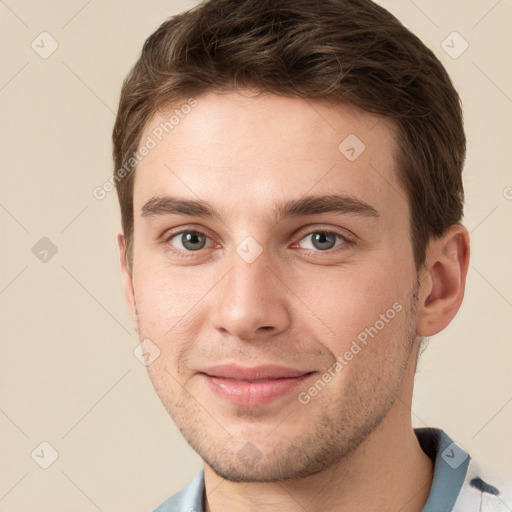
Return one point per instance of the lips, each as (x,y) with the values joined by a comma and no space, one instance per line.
(253,386)
(253,374)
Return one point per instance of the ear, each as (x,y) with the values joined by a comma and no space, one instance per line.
(444,281)
(127,282)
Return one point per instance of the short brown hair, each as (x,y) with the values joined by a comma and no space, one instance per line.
(343,50)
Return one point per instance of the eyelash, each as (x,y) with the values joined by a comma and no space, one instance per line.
(347,241)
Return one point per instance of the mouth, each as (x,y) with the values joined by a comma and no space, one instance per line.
(255,386)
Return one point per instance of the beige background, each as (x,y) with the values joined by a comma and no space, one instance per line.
(68,373)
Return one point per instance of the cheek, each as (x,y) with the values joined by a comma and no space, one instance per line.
(166,294)
(167,305)
(368,315)
(350,301)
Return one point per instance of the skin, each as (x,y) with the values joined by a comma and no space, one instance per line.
(298,304)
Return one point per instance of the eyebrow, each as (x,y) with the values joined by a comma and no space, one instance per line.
(310,205)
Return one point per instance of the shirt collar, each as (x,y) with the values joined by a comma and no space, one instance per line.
(450,467)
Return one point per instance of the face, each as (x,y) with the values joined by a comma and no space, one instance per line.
(285,322)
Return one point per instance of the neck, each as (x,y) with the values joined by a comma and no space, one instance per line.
(387,472)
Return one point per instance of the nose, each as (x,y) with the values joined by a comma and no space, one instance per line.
(252,302)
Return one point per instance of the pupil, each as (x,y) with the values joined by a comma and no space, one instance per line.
(322,239)
(191,239)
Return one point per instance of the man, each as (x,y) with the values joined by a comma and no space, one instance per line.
(312,151)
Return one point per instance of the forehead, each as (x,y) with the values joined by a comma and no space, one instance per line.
(247,152)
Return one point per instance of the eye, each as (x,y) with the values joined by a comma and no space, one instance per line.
(188,241)
(322,240)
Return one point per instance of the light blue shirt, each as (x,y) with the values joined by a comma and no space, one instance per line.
(458,484)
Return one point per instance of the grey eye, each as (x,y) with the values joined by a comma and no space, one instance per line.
(188,240)
(323,240)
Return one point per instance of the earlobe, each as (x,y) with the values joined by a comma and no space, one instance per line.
(126,273)
(442,288)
